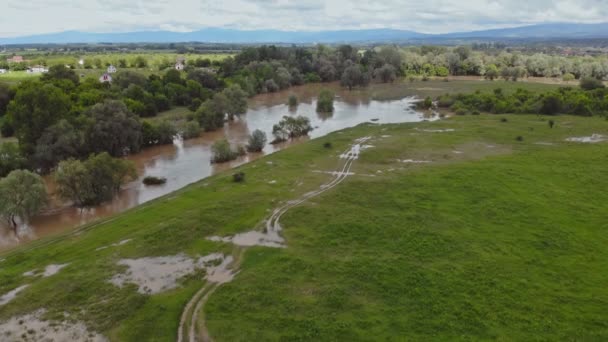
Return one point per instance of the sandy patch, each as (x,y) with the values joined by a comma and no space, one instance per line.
(595,138)
(159,274)
(7,297)
(31,327)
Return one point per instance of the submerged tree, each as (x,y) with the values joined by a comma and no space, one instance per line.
(93,181)
(257,141)
(291,127)
(223,152)
(22,195)
(325,102)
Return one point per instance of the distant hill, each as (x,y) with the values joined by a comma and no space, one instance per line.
(220,35)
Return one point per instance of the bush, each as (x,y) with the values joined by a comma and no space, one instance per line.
(325,102)
(190,130)
(257,141)
(551,123)
(327,145)
(194,105)
(590,83)
(519,138)
(223,152)
(151,180)
(238,177)
(568,77)
(293,101)
(426,104)
(504,120)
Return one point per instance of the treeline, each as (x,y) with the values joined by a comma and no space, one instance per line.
(463,60)
(588,100)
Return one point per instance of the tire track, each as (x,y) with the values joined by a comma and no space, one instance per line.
(273,226)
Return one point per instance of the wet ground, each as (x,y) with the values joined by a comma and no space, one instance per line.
(186,162)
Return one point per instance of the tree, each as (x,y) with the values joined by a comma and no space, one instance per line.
(190,130)
(173,76)
(223,152)
(237,101)
(387,73)
(354,76)
(22,195)
(325,102)
(290,128)
(212,113)
(5,97)
(491,72)
(58,142)
(257,141)
(590,83)
(10,158)
(35,107)
(93,181)
(60,72)
(114,129)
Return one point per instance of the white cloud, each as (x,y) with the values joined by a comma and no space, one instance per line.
(431,16)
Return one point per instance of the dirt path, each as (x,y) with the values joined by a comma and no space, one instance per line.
(273,229)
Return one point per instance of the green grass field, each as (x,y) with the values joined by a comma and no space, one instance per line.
(495,239)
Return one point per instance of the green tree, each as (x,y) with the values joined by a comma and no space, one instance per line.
(58,142)
(114,129)
(5,97)
(325,102)
(60,72)
(223,152)
(354,76)
(10,158)
(35,107)
(237,101)
(22,195)
(387,73)
(257,141)
(93,181)
(291,127)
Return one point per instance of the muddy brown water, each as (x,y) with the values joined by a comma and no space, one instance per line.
(186,162)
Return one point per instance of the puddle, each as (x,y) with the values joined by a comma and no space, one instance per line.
(6,298)
(50,270)
(120,243)
(436,130)
(31,327)
(595,138)
(412,161)
(221,274)
(158,274)
(253,238)
(457,152)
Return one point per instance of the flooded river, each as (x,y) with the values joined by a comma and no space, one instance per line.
(186,162)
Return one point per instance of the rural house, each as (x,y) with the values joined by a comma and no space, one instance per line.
(3,71)
(37,69)
(15,59)
(105,78)
(111,69)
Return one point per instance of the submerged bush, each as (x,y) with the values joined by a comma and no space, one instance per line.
(325,103)
(257,141)
(151,180)
(190,130)
(291,127)
(293,101)
(223,152)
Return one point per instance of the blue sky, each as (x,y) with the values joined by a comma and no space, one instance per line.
(19,18)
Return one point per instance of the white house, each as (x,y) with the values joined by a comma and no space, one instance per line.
(179,66)
(105,78)
(37,69)
(111,69)
(3,71)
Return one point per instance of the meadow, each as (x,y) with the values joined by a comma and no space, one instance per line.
(486,237)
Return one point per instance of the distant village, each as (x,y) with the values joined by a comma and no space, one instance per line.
(106,77)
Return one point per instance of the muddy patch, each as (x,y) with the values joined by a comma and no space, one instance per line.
(32,327)
(593,139)
(159,274)
(9,296)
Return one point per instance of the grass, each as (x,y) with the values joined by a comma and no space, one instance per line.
(505,240)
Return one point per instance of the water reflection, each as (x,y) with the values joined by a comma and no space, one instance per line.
(186,162)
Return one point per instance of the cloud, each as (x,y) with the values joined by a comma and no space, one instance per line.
(19,18)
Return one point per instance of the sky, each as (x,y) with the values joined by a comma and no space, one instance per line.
(19,18)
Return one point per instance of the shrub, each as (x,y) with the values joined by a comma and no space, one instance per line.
(519,138)
(568,77)
(551,123)
(591,83)
(195,104)
(257,141)
(327,145)
(151,180)
(238,177)
(426,104)
(190,130)
(325,103)
(293,101)
(223,152)
(503,120)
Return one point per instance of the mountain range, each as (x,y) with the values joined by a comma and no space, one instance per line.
(223,35)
